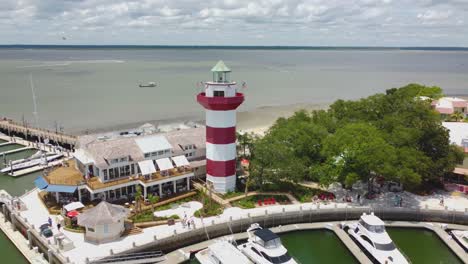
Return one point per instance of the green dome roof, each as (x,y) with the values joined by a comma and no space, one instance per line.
(220,67)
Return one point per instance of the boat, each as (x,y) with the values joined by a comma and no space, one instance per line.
(264,247)
(221,252)
(370,233)
(461,236)
(31,162)
(150,84)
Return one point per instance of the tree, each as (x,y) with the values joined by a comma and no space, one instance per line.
(138,199)
(457,116)
(153,199)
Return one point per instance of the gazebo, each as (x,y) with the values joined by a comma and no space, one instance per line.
(103,223)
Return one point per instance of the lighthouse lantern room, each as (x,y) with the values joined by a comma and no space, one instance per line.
(220,100)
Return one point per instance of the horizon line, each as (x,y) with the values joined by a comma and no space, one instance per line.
(232,46)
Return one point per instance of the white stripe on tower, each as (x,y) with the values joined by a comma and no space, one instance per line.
(221,152)
(220,119)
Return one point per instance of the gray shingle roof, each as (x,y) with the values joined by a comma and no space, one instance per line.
(103,213)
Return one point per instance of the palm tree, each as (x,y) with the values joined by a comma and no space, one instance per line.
(138,198)
(457,116)
(153,199)
(248,182)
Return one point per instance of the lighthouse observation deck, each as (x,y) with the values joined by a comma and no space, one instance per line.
(220,102)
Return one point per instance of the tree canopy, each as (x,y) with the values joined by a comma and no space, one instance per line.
(396,135)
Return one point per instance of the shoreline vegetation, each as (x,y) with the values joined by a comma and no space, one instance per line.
(394,136)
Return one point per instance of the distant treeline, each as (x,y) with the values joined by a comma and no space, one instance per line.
(21,46)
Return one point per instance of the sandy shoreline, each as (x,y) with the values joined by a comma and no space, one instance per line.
(256,120)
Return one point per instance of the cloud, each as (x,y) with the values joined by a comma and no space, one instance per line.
(234,22)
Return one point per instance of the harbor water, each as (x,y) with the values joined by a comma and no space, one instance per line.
(8,252)
(422,246)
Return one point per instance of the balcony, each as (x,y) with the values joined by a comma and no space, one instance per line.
(220,103)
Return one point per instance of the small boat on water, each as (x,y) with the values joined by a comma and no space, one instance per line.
(370,233)
(221,252)
(31,162)
(150,84)
(461,236)
(265,247)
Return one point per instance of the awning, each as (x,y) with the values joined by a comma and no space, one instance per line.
(164,164)
(61,188)
(180,161)
(40,183)
(146,167)
(73,206)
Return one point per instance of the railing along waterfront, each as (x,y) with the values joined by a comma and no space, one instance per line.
(216,228)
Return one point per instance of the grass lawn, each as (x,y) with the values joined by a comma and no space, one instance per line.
(147,216)
(301,193)
(229,195)
(251,201)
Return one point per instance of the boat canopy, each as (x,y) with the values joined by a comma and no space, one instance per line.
(265,234)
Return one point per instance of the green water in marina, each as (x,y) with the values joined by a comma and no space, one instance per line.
(18,185)
(314,246)
(422,246)
(9,253)
(10,147)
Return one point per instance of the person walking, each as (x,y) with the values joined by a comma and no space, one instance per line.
(49,220)
(58,226)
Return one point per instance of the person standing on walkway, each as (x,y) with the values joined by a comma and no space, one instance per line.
(49,221)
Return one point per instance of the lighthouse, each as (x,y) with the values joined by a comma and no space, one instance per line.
(220,100)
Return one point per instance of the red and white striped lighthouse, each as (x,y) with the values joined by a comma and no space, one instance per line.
(220,101)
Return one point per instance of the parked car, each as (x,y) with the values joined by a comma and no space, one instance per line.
(45,230)
(395,186)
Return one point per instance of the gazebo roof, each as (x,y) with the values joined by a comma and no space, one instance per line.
(220,67)
(103,213)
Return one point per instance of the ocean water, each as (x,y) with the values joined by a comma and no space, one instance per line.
(93,88)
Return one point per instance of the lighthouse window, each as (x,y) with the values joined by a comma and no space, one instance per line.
(218,93)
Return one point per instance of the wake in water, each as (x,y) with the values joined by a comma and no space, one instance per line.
(67,63)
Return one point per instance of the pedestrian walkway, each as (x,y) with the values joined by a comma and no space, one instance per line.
(236,198)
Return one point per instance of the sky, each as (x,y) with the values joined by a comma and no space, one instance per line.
(236,22)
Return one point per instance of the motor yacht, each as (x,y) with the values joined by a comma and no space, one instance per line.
(461,236)
(264,247)
(31,162)
(221,252)
(370,233)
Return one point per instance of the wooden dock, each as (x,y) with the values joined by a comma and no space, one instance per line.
(19,173)
(12,128)
(15,150)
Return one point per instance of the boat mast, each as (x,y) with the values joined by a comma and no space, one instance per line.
(35,113)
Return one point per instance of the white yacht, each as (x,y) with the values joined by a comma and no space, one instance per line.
(222,252)
(31,162)
(461,237)
(370,233)
(264,247)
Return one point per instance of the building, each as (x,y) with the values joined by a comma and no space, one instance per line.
(458,132)
(103,223)
(447,106)
(220,100)
(111,168)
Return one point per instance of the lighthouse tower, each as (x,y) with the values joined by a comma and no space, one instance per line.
(220,101)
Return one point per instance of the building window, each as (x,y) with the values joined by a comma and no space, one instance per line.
(218,93)
(116,172)
(113,161)
(133,169)
(166,151)
(106,228)
(147,155)
(105,174)
(111,174)
(154,154)
(90,229)
(123,159)
(160,152)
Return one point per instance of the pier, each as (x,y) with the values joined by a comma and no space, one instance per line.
(32,145)
(12,128)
